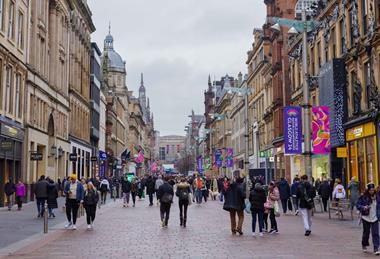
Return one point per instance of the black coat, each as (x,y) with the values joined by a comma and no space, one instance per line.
(234,197)
(52,196)
(284,190)
(325,190)
(126,186)
(9,188)
(41,189)
(303,188)
(165,188)
(91,197)
(257,198)
(150,186)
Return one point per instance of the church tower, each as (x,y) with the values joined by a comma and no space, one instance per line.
(142,96)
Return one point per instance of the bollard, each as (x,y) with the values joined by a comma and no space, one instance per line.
(45,217)
(114,194)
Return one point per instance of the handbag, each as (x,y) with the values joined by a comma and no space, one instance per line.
(276,208)
(247,206)
(190,198)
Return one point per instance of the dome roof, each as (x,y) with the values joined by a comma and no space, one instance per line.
(115,62)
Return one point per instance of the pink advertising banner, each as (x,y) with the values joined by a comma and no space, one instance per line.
(321,130)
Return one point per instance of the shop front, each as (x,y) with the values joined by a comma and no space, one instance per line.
(362,161)
(320,166)
(11,139)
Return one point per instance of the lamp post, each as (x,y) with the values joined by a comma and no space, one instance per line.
(304,26)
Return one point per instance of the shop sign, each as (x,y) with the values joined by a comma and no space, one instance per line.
(35,156)
(271,159)
(94,159)
(293,129)
(11,131)
(6,145)
(102,156)
(361,131)
(321,130)
(73,157)
(341,152)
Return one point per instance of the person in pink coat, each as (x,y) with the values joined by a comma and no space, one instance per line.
(20,194)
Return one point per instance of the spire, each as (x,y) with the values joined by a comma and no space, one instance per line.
(209,80)
(108,41)
(142,79)
(148,106)
(109,28)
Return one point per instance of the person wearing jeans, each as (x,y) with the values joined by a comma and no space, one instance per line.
(273,197)
(183,194)
(20,193)
(41,193)
(293,192)
(306,194)
(257,199)
(74,196)
(368,205)
(126,189)
(165,194)
(9,190)
(91,199)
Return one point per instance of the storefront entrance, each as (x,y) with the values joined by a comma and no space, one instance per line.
(362,154)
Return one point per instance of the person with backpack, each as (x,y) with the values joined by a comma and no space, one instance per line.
(150,189)
(91,198)
(369,207)
(183,194)
(165,194)
(306,194)
(104,189)
(157,184)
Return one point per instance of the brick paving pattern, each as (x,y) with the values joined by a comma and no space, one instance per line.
(136,233)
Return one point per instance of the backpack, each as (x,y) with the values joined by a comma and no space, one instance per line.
(167,198)
(183,194)
(103,188)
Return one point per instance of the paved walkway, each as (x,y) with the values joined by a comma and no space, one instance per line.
(135,233)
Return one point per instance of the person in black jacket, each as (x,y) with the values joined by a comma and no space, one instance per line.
(9,190)
(234,203)
(183,194)
(165,194)
(52,197)
(41,193)
(284,190)
(126,187)
(306,194)
(91,199)
(150,189)
(257,198)
(325,191)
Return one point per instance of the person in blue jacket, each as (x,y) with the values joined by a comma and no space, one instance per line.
(74,196)
(369,207)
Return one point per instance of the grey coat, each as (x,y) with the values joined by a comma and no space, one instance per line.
(354,191)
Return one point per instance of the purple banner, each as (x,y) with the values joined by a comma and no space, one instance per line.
(218,158)
(200,164)
(293,129)
(321,130)
(229,157)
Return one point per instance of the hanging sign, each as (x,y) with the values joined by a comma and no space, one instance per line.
(229,157)
(321,130)
(293,129)
(218,158)
(200,164)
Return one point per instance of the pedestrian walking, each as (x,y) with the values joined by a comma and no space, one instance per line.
(339,192)
(165,195)
(74,196)
(150,189)
(271,205)
(158,183)
(234,204)
(20,193)
(214,189)
(52,197)
(257,199)
(324,192)
(369,206)
(104,189)
(353,187)
(293,192)
(284,190)
(199,186)
(90,201)
(126,189)
(134,190)
(306,194)
(9,190)
(41,193)
(183,194)
(206,188)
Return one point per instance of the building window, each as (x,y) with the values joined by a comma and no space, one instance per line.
(11,20)
(319,51)
(20,31)
(367,82)
(342,36)
(312,61)
(364,17)
(8,90)
(351,29)
(18,102)
(2,15)
(333,43)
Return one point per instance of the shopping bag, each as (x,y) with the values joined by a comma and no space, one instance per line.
(247,206)
(276,208)
(190,198)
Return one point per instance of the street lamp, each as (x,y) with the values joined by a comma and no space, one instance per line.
(304,26)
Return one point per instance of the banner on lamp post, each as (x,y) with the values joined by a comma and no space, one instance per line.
(321,130)
(293,129)
(200,164)
(207,163)
(229,157)
(218,158)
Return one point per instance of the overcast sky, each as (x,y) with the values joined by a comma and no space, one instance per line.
(177,44)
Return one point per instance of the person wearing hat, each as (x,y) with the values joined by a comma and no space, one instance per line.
(74,196)
(369,207)
(257,199)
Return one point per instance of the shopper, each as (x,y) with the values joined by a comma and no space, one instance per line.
(165,195)
(257,199)
(20,193)
(353,187)
(157,184)
(90,201)
(272,199)
(183,194)
(306,194)
(324,192)
(41,193)
(293,192)
(126,189)
(74,196)
(9,190)
(134,190)
(284,190)
(52,197)
(104,189)
(150,189)
(339,192)
(234,204)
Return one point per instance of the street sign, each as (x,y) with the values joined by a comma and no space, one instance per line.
(73,157)
(35,156)
(102,155)
(6,145)
(94,159)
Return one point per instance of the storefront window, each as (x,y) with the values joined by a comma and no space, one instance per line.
(370,150)
(353,164)
(361,165)
(321,167)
